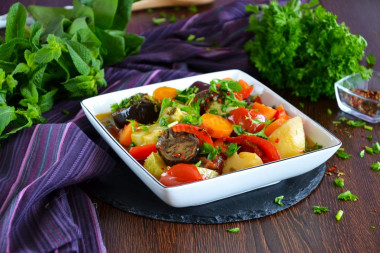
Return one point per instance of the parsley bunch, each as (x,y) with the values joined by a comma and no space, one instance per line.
(302,48)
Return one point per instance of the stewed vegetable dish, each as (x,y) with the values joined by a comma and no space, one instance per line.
(206,130)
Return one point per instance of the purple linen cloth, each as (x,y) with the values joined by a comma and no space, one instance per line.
(42,207)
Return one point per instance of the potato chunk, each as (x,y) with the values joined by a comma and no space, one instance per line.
(289,139)
(241,161)
(155,165)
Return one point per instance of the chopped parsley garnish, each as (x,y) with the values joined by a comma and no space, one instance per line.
(172,18)
(166,102)
(200,39)
(158,21)
(376,166)
(369,137)
(187,95)
(362,153)
(320,209)
(125,103)
(164,121)
(278,200)
(191,37)
(232,148)
(198,163)
(163,15)
(309,148)
(357,123)
(238,129)
(348,196)
(339,215)
(369,150)
(302,105)
(233,230)
(192,120)
(226,85)
(213,111)
(339,182)
(342,118)
(342,154)
(329,111)
(336,122)
(66,112)
(371,60)
(368,128)
(193,8)
(114,107)
(210,151)
(376,148)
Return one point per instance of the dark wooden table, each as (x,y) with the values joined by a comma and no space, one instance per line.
(296,229)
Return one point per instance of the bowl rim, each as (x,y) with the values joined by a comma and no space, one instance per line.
(338,85)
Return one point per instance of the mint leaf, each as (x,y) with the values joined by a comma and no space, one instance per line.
(16,20)
(7,114)
(81,86)
(45,15)
(47,100)
(80,55)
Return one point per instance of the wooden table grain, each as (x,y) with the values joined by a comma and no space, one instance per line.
(296,229)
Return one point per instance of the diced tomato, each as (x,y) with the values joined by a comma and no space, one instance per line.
(200,133)
(179,174)
(270,151)
(142,152)
(245,91)
(245,118)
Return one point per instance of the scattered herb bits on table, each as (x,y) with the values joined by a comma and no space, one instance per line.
(203,131)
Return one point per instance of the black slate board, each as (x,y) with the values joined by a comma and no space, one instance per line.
(124,190)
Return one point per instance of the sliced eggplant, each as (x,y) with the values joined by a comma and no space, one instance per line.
(142,110)
(177,147)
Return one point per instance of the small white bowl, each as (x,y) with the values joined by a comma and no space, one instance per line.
(202,192)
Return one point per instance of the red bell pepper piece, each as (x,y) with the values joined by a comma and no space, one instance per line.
(142,152)
(270,151)
(200,133)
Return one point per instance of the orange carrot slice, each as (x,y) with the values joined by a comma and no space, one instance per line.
(216,126)
(164,92)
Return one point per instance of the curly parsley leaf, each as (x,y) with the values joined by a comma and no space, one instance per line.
(320,209)
(210,151)
(293,42)
(278,200)
(348,196)
(376,166)
(233,230)
(232,149)
(339,182)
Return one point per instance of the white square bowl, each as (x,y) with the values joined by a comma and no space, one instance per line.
(223,186)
